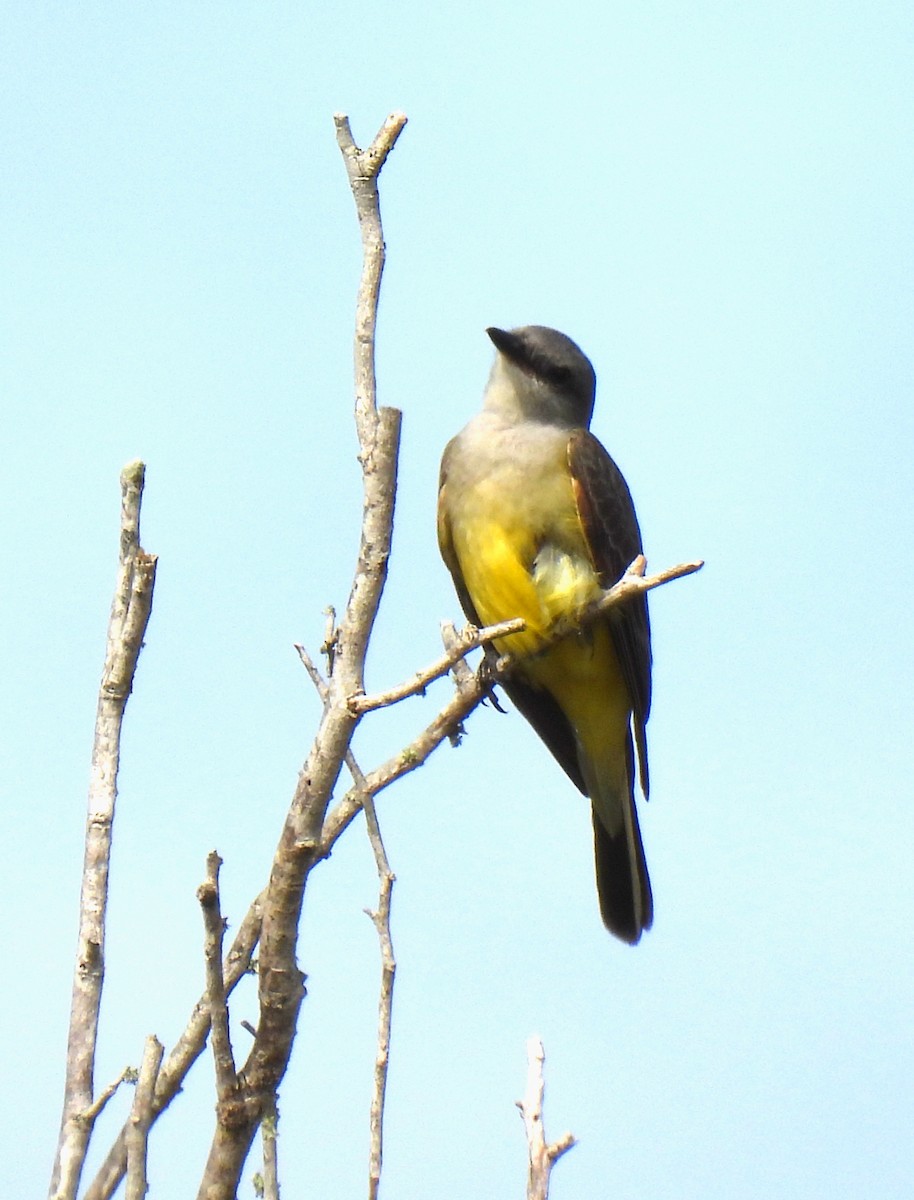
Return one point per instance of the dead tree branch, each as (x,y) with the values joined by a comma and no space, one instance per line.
(381,921)
(128,1075)
(130,610)
(184,1054)
(214,925)
(541,1155)
(140,1120)
(635,582)
(470,638)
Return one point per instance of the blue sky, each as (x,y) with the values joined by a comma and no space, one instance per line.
(716,202)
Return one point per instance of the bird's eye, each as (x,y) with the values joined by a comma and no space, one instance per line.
(560,377)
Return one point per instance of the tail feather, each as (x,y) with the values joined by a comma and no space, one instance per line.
(623,886)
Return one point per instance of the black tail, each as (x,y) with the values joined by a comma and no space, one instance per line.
(626,904)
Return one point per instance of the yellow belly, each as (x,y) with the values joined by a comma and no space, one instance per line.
(500,584)
(507,577)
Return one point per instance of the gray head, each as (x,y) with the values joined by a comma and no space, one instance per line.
(551,378)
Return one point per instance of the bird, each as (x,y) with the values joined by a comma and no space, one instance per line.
(535,520)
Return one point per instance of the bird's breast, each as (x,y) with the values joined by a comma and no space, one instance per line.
(518,538)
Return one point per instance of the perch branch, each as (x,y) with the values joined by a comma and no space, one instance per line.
(633,583)
(470,638)
(471,689)
(130,610)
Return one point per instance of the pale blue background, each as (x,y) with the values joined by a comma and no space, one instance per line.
(716,201)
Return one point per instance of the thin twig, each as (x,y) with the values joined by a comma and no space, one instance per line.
(140,1121)
(128,1075)
(541,1155)
(381,920)
(470,638)
(314,674)
(633,583)
(214,926)
(444,725)
(130,612)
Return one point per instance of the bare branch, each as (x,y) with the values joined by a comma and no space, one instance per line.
(445,725)
(541,1156)
(214,924)
(185,1053)
(470,638)
(381,920)
(140,1120)
(378,429)
(95,1109)
(130,610)
(363,168)
(314,674)
(633,583)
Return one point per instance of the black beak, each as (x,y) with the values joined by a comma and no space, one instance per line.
(508,343)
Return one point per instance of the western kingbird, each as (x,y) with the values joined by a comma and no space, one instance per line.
(534,521)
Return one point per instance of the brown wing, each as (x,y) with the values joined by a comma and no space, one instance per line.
(611,528)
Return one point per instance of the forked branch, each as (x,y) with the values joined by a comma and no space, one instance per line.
(541,1155)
